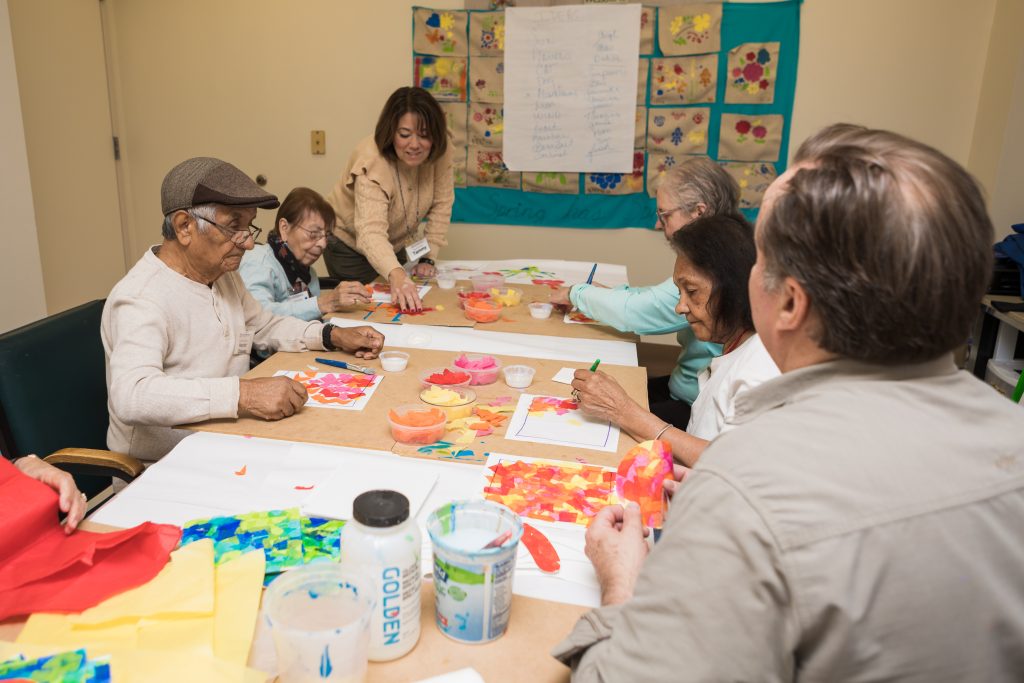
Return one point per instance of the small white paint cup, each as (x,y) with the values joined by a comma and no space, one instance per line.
(540,310)
(319,616)
(519,376)
(445,277)
(394,361)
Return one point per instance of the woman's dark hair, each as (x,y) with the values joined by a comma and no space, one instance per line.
(297,203)
(721,246)
(416,101)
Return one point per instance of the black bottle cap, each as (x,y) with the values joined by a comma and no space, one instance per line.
(380,508)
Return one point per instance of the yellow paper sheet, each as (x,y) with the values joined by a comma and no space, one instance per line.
(239,589)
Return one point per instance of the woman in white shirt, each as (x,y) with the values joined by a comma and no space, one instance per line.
(714,256)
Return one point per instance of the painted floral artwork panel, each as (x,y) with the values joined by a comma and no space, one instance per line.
(658,164)
(618,183)
(690,29)
(684,80)
(487,79)
(486,33)
(442,77)
(750,138)
(640,129)
(753,68)
(641,80)
(680,130)
(485,168)
(753,179)
(554,182)
(647,15)
(439,32)
(549,490)
(486,124)
(459,166)
(455,119)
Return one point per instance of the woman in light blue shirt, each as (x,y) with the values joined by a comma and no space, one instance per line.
(696,187)
(280,273)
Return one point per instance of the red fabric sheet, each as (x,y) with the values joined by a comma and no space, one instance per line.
(44,570)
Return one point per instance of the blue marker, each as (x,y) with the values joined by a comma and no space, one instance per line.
(347,366)
(590,278)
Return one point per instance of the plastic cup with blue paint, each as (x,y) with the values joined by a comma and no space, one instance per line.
(320,619)
(473,585)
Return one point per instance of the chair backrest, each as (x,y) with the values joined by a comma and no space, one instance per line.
(53,387)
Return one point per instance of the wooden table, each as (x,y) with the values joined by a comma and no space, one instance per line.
(513,319)
(520,655)
(368,428)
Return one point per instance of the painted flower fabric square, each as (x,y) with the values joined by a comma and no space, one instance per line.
(647,15)
(681,130)
(486,124)
(658,164)
(553,182)
(439,32)
(641,80)
(618,183)
(690,29)
(486,33)
(753,179)
(684,80)
(640,128)
(750,138)
(485,168)
(487,79)
(753,68)
(455,119)
(442,77)
(459,166)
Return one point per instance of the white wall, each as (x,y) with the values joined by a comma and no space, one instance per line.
(23,298)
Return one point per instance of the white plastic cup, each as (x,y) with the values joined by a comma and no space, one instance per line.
(519,376)
(445,277)
(319,616)
(393,361)
(540,310)
(473,585)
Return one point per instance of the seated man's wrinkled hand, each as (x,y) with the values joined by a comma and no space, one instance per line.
(679,475)
(616,548)
(363,341)
(270,398)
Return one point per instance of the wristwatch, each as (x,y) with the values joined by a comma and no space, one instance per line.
(428,261)
(326,338)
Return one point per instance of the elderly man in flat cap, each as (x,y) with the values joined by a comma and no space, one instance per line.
(178,328)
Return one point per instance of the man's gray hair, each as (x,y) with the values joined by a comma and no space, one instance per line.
(206,213)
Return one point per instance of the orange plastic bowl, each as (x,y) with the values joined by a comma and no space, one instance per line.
(483,311)
(417,424)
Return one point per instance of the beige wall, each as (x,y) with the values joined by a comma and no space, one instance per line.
(58,49)
(247,80)
(21,276)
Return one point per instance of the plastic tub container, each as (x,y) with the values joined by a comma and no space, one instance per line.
(473,585)
(417,423)
(486,282)
(483,311)
(508,296)
(541,310)
(449,378)
(445,277)
(319,616)
(519,376)
(394,361)
(465,293)
(482,369)
(455,402)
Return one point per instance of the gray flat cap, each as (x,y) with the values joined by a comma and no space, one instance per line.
(205,180)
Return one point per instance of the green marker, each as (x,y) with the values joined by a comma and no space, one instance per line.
(593,368)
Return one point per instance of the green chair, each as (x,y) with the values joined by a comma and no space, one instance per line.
(53,397)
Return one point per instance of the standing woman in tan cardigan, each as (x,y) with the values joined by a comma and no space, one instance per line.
(400,176)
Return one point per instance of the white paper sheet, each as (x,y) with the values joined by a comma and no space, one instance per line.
(383,296)
(333,498)
(570,87)
(565,375)
(320,386)
(572,429)
(525,271)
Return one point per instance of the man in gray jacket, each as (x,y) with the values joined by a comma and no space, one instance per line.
(864,520)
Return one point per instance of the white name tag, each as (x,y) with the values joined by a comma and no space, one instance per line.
(244,345)
(301,296)
(416,250)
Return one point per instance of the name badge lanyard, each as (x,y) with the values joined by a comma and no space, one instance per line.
(410,225)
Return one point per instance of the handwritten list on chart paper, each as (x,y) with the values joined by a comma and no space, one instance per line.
(570,87)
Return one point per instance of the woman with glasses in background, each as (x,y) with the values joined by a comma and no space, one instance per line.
(696,187)
(280,273)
